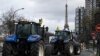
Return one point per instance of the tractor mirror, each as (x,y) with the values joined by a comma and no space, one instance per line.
(47,29)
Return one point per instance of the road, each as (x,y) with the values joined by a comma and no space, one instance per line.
(83,53)
(87,53)
(0,54)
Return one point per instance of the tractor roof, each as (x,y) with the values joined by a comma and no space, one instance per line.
(27,22)
(24,22)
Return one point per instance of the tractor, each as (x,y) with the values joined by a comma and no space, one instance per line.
(62,43)
(28,40)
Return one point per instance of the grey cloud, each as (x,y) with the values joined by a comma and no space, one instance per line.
(52,10)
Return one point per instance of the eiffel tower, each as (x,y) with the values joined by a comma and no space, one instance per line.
(66,17)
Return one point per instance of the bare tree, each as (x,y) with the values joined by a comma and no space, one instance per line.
(8,19)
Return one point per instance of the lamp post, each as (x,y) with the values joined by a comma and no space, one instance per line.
(16,11)
(13,20)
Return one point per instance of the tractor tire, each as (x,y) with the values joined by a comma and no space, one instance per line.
(77,50)
(37,49)
(48,50)
(8,50)
(69,49)
(54,50)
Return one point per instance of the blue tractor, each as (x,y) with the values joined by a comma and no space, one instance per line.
(26,41)
(62,43)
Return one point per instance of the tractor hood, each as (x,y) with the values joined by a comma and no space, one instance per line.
(34,38)
(10,38)
(30,38)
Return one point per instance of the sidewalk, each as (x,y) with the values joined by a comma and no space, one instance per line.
(90,52)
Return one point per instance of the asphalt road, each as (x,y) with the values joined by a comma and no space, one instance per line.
(86,53)
(83,53)
(0,54)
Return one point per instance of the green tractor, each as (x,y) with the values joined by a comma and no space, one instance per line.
(28,40)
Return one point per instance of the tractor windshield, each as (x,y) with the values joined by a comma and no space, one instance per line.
(62,34)
(23,29)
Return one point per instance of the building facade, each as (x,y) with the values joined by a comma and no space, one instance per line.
(98,4)
(79,16)
(90,6)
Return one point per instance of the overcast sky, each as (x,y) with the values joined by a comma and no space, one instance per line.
(52,11)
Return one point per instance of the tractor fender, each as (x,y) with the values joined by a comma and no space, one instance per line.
(34,38)
(10,38)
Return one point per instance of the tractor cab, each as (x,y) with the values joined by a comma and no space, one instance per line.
(62,35)
(25,29)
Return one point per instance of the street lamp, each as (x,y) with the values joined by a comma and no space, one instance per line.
(16,11)
(14,16)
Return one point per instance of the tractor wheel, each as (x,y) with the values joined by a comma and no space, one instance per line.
(8,50)
(69,48)
(48,50)
(54,50)
(77,50)
(37,49)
